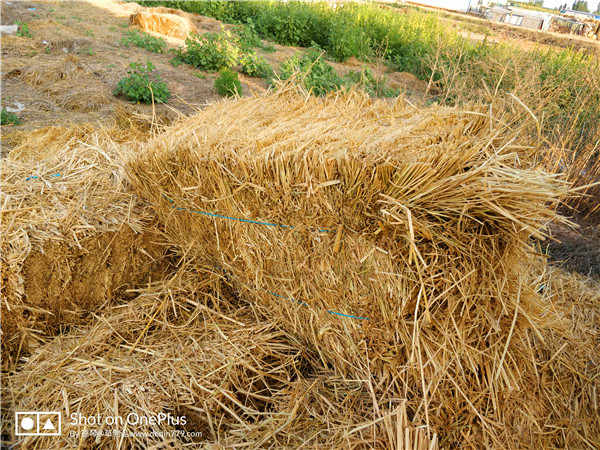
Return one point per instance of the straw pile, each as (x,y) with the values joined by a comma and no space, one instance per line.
(186,347)
(419,221)
(165,24)
(72,238)
(69,80)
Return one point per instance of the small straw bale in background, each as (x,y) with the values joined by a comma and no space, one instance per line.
(73,238)
(165,24)
(186,347)
(416,223)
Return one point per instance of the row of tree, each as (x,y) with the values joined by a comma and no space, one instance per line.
(578,5)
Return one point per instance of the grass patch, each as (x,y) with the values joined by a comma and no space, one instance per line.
(9,118)
(145,41)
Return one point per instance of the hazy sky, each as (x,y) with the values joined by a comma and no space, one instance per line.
(593,4)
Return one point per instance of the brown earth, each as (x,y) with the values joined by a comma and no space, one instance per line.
(91,32)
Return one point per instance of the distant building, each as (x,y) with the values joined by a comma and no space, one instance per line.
(580,14)
(521,17)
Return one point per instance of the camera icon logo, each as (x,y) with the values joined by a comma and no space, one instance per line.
(37,423)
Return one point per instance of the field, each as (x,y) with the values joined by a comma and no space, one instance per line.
(284,225)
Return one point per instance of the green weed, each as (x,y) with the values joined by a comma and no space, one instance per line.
(312,71)
(209,51)
(145,41)
(255,66)
(141,87)
(23,30)
(228,83)
(372,85)
(9,118)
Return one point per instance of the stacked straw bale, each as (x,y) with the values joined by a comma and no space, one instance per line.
(73,238)
(418,220)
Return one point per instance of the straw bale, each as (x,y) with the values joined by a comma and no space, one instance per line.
(73,238)
(165,24)
(186,347)
(429,216)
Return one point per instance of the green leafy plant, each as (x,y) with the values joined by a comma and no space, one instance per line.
(23,30)
(89,33)
(145,41)
(313,72)
(228,83)
(9,118)
(246,37)
(255,66)
(372,85)
(210,51)
(140,86)
(200,75)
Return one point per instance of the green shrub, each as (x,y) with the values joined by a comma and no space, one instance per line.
(145,41)
(9,118)
(210,51)
(141,87)
(255,66)
(372,85)
(228,83)
(313,73)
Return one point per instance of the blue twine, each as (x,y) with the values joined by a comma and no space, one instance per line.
(235,218)
(302,303)
(35,177)
(306,304)
(260,223)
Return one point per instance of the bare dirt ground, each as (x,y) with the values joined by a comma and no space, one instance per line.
(88,35)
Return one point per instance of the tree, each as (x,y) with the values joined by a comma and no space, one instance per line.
(597,9)
(581,5)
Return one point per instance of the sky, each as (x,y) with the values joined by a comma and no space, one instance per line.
(557,3)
